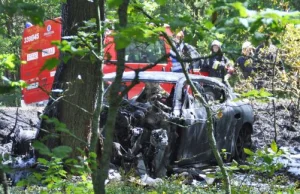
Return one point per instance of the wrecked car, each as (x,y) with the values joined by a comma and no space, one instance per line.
(161,126)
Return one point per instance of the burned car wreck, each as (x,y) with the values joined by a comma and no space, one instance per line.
(161,127)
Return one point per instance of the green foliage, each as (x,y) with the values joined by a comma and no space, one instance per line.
(50,64)
(261,94)
(54,178)
(10,97)
(7,61)
(264,160)
(233,23)
(57,152)
(9,88)
(31,10)
(171,185)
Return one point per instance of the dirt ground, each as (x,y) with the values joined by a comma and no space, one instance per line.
(14,120)
(287,126)
(288,130)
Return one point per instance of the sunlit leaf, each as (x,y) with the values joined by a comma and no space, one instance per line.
(264,93)
(161,2)
(240,7)
(274,146)
(248,151)
(42,161)
(208,24)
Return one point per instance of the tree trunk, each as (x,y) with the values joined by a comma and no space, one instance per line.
(113,106)
(78,78)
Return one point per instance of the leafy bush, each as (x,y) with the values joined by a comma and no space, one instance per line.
(264,160)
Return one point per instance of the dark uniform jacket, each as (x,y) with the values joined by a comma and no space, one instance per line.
(246,65)
(215,65)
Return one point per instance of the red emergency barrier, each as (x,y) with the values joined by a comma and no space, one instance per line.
(37,47)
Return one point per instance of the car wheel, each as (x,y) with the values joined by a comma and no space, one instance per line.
(243,141)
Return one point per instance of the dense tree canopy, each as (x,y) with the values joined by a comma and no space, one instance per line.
(79,73)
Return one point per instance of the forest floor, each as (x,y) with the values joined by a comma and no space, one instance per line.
(14,120)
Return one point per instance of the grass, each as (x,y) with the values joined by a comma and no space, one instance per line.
(168,186)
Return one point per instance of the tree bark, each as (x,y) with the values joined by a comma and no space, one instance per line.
(78,78)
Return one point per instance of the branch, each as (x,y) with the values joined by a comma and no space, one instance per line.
(99,58)
(62,98)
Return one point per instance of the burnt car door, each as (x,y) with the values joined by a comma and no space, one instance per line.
(192,143)
(227,118)
(193,146)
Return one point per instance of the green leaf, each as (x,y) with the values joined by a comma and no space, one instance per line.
(50,64)
(255,25)
(62,151)
(208,24)
(62,173)
(210,175)
(21,183)
(64,46)
(114,3)
(248,151)
(43,161)
(66,58)
(161,2)
(8,61)
(121,43)
(244,167)
(42,148)
(264,93)
(38,176)
(240,7)
(274,146)
(267,159)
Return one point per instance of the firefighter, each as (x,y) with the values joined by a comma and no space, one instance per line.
(185,51)
(246,62)
(218,65)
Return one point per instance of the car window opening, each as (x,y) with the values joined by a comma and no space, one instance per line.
(214,95)
(138,52)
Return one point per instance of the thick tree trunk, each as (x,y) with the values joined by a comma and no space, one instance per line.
(78,78)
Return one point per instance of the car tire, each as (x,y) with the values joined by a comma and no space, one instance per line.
(243,141)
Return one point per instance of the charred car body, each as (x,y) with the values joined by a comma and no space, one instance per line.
(161,126)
